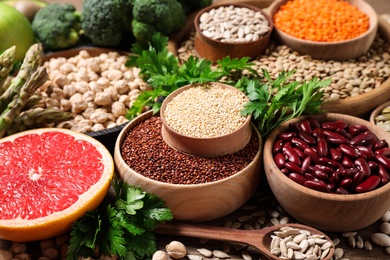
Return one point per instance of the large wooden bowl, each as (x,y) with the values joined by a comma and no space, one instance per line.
(342,50)
(326,211)
(205,146)
(195,202)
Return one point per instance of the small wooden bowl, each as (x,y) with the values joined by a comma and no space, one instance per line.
(325,211)
(195,202)
(377,111)
(207,146)
(214,50)
(342,50)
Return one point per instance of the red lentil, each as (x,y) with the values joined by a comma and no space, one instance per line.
(321,20)
(145,151)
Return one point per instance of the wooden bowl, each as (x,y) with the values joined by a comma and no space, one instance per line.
(377,111)
(214,50)
(195,202)
(342,50)
(205,146)
(326,211)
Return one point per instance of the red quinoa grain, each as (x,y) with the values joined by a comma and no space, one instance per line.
(145,151)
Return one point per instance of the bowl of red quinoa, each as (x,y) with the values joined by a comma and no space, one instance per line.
(232,29)
(326,29)
(195,188)
(341,182)
(205,119)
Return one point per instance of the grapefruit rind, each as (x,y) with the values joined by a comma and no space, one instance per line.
(58,223)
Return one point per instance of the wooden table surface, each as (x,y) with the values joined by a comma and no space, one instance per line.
(263,200)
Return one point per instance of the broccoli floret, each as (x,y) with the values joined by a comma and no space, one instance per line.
(190,6)
(57,26)
(105,22)
(165,16)
(143,32)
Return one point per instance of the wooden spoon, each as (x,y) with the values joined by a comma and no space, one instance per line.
(260,239)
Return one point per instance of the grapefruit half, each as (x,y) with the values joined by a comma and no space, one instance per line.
(49,178)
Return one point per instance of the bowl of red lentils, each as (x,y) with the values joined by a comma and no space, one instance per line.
(206,120)
(195,188)
(325,29)
(236,30)
(330,171)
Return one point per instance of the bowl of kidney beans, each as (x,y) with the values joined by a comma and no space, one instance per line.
(330,171)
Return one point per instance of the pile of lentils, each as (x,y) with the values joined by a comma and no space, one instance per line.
(233,24)
(350,78)
(206,110)
(145,151)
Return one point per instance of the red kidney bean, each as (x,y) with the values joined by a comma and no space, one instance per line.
(322,147)
(373,165)
(358,178)
(306,163)
(277,147)
(285,171)
(347,162)
(292,167)
(335,138)
(313,122)
(299,152)
(298,178)
(279,160)
(305,126)
(293,127)
(383,174)
(317,185)
(383,160)
(317,132)
(328,170)
(380,144)
(349,173)
(367,151)
(362,139)
(333,125)
(311,153)
(336,154)
(299,143)
(308,138)
(331,186)
(318,173)
(369,184)
(310,176)
(328,162)
(357,129)
(363,166)
(286,136)
(341,190)
(385,151)
(337,175)
(348,150)
(291,154)
(344,133)
(346,183)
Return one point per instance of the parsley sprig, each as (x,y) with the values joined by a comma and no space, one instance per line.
(273,102)
(161,69)
(122,227)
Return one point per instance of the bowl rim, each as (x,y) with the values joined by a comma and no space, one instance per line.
(267,151)
(377,111)
(369,11)
(149,114)
(181,90)
(216,6)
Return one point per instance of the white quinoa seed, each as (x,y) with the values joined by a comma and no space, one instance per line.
(207,110)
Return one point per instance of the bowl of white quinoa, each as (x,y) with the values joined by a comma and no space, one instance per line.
(206,120)
(236,30)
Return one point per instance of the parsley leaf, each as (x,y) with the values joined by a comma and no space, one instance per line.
(122,228)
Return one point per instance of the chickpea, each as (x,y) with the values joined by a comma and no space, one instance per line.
(118,109)
(176,250)
(102,98)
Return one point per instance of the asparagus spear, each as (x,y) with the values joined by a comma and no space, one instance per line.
(37,117)
(6,65)
(32,102)
(31,62)
(16,105)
